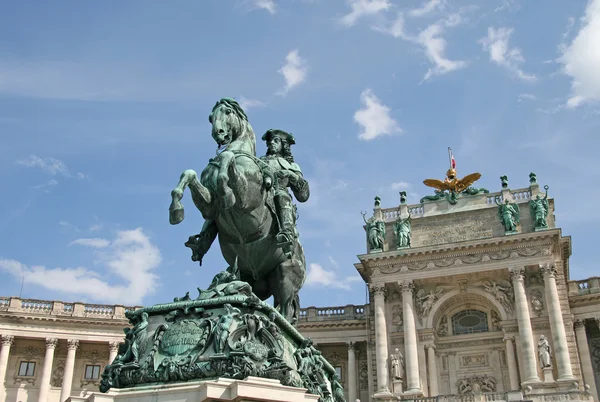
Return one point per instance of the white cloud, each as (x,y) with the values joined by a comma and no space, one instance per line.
(400,185)
(294,71)
(96,228)
(426,8)
(246,103)
(268,5)
(91,242)
(130,257)
(374,117)
(49,165)
(496,43)
(363,8)
(50,183)
(525,96)
(435,48)
(319,277)
(581,59)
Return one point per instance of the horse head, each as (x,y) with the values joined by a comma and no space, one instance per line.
(230,128)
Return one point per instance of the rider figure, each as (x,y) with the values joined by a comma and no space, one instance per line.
(285,173)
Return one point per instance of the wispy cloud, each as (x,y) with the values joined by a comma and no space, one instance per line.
(374,117)
(268,5)
(294,71)
(427,8)
(47,186)
(400,185)
(496,43)
(581,59)
(95,242)
(526,97)
(131,257)
(363,8)
(246,103)
(435,49)
(49,165)
(320,277)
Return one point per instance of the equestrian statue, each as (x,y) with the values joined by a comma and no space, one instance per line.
(245,202)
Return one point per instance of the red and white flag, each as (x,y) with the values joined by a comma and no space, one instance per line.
(452,161)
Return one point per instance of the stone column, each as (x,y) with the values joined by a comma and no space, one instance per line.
(411,352)
(113,348)
(495,359)
(65,392)
(7,341)
(47,371)
(381,345)
(433,373)
(351,372)
(525,332)
(585,357)
(512,363)
(557,326)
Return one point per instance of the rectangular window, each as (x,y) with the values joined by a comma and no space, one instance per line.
(338,371)
(92,372)
(27,369)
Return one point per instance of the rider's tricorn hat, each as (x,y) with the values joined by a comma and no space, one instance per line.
(272,132)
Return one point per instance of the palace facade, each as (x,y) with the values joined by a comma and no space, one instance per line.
(463,306)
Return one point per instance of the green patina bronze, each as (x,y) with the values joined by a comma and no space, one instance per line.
(538,207)
(227,331)
(532,178)
(504,181)
(452,196)
(402,229)
(245,201)
(510,215)
(375,229)
(402,197)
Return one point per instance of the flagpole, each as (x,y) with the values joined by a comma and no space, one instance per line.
(449,156)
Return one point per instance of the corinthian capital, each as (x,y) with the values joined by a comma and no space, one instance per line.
(72,344)
(548,270)
(378,290)
(7,340)
(113,346)
(407,286)
(517,274)
(579,324)
(51,343)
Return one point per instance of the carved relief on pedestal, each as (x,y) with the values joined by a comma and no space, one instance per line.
(476,384)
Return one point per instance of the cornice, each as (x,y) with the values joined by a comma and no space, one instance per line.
(495,249)
(325,325)
(11,315)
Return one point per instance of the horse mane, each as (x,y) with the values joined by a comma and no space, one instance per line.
(237,109)
(233,104)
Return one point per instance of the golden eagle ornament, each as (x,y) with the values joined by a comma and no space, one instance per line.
(451,183)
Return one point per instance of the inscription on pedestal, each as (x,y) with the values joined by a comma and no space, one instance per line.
(456,231)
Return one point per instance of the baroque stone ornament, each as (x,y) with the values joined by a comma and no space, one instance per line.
(476,384)
(241,197)
(502,291)
(539,210)
(426,299)
(227,331)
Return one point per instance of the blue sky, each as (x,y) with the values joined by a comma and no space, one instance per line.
(104,104)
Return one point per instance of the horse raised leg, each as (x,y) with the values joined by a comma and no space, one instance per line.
(200,195)
(232,185)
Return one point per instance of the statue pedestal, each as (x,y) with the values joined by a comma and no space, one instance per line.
(397,384)
(222,389)
(548,376)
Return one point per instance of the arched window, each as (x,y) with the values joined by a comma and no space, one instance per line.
(469,322)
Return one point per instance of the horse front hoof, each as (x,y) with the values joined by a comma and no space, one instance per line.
(176,216)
